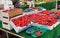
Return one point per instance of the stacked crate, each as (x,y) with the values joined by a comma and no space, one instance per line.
(7,15)
(5,20)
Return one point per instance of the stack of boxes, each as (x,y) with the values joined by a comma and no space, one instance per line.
(7,15)
(5,20)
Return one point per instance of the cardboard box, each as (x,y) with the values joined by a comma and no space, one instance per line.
(1,6)
(15,12)
(12,12)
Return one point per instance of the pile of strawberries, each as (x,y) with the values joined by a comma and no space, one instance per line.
(40,18)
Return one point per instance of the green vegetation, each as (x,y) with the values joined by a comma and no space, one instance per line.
(48,5)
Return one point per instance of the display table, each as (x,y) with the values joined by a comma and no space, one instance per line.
(49,34)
